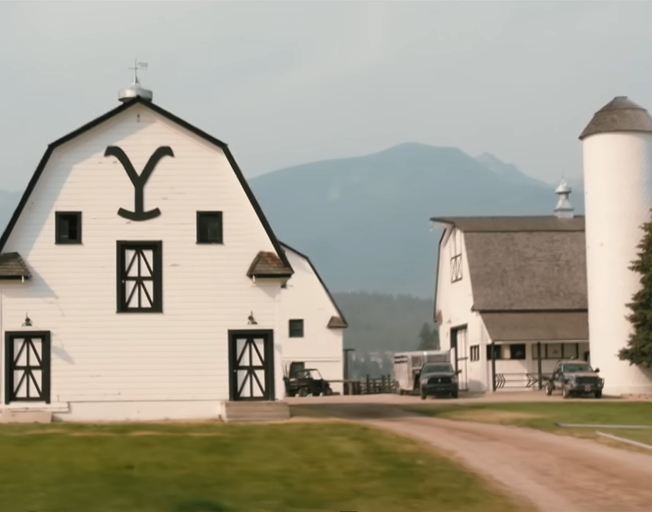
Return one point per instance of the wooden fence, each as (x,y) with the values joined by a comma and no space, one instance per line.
(369,386)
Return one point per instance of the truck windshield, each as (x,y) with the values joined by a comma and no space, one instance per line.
(577,367)
(437,368)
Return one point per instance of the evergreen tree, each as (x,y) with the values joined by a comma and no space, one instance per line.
(639,349)
(428,338)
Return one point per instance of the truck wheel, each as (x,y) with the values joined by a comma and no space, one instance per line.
(423,396)
(565,392)
(303,392)
(454,394)
(598,394)
(549,389)
(328,392)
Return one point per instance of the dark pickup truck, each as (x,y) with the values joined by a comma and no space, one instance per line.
(438,379)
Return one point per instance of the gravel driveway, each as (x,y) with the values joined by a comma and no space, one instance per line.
(556,473)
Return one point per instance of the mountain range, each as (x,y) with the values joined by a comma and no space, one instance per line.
(364,221)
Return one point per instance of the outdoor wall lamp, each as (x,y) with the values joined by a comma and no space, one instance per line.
(28,321)
(252,320)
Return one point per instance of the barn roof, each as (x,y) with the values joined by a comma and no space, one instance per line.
(12,266)
(525,263)
(537,326)
(174,119)
(619,115)
(268,264)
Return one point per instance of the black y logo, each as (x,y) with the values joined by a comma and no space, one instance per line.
(139,181)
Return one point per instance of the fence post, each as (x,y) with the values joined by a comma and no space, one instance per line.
(367,387)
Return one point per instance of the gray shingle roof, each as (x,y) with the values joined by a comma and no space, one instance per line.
(12,266)
(498,224)
(619,115)
(525,263)
(539,326)
(268,264)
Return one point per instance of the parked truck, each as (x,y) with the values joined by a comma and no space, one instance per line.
(408,366)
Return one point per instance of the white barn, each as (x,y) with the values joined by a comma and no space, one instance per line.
(509,289)
(140,280)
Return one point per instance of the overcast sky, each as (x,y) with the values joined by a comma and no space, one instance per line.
(286,83)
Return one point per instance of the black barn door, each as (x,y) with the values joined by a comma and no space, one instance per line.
(27,367)
(251,365)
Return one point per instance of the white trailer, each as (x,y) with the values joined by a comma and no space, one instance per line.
(407,367)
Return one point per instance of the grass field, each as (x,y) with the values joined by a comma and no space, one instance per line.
(543,416)
(220,468)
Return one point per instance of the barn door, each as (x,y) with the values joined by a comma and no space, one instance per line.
(27,367)
(460,355)
(251,365)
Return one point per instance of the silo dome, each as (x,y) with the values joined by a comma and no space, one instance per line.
(619,115)
(135,90)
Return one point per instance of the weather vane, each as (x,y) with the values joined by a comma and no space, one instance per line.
(137,66)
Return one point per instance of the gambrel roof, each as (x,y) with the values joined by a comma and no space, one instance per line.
(171,117)
(525,263)
(336,321)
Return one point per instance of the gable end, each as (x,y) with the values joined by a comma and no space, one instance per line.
(174,119)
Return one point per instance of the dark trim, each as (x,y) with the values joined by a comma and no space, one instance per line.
(46,365)
(493,366)
(293,322)
(13,278)
(57,228)
(441,239)
(321,281)
(157,276)
(268,336)
(171,117)
(210,214)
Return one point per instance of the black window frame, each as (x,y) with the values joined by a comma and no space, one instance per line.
(513,347)
(296,328)
(474,353)
(58,228)
(497,351)
(205,240)
(157,275)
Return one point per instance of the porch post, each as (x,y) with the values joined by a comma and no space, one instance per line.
(493,364)
(539,365)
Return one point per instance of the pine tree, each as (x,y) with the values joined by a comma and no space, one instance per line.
(428,339)
(639,349)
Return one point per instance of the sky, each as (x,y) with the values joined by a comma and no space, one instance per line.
(287,83)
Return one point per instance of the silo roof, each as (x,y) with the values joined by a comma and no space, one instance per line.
(619,115)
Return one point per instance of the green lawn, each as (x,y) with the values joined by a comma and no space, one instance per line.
(215,467)
(544,415)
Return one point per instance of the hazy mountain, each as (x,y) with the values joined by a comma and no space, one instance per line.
(508,172)
(364,221)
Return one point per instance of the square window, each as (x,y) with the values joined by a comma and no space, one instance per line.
(209,228)
(475,352)
(296,328)
(570,350)
(139,277)
(517,351)
(68,227)
(553,351)
(496,350)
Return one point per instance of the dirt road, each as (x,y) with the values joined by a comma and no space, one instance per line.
(555,473)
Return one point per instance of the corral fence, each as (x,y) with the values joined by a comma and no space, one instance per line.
(369,385)
(520,380)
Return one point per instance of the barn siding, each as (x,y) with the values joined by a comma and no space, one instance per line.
(180,354)
(305,298)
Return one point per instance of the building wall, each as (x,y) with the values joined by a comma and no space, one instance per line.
(618,196)
(455,301)
(305,298)
(99,355)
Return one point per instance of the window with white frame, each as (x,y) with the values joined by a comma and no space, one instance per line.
(456,255)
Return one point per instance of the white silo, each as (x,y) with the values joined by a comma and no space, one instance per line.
(617,153)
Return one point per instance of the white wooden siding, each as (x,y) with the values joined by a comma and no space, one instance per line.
(98,354)
(305,298)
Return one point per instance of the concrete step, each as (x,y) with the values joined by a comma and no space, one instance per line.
(252,412)
(9,416)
